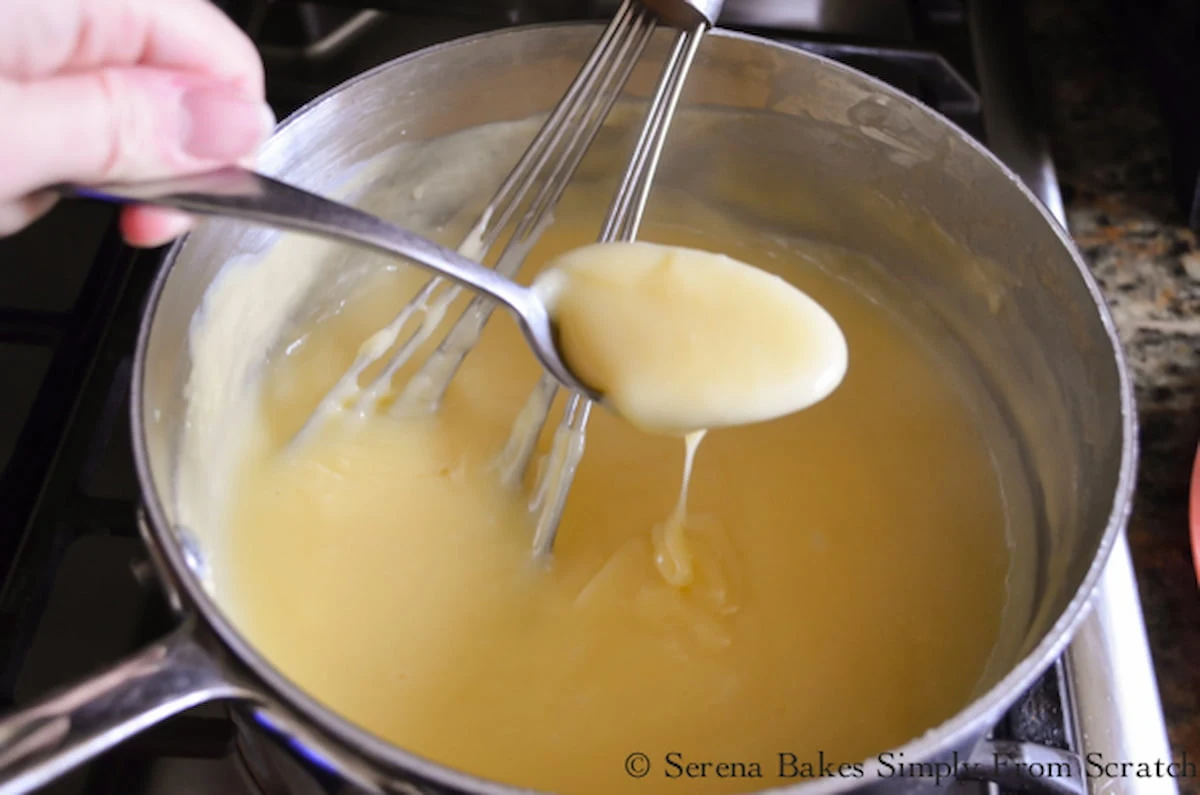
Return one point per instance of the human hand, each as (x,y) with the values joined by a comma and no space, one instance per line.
(98,91)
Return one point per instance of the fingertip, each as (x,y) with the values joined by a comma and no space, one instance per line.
(148,227)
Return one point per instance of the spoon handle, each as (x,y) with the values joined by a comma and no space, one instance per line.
(249,196)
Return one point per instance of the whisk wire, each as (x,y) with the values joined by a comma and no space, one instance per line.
(425,390)
(622,223)
(629,204)
(629,16)
(591,95)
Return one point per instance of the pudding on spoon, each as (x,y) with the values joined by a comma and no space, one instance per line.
(678,340)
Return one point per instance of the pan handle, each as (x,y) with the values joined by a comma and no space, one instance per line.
(67,728)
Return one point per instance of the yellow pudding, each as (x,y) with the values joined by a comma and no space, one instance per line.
(680,340)
(846,563)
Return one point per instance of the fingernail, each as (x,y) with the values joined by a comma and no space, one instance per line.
(221,125)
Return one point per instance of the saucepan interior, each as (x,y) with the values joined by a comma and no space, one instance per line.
(795,145)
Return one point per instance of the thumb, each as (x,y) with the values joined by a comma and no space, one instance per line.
(123,124)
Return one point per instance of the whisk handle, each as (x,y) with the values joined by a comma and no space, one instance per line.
(687,14)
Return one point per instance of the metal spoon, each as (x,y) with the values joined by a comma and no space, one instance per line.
(249,196)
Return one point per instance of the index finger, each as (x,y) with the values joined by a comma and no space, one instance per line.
(39,39)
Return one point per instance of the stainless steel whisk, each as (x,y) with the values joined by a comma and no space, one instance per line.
(543,172)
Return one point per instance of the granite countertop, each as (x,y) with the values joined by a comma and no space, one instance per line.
(1111,153)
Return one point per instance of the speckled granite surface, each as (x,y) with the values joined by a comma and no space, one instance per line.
(1111,155)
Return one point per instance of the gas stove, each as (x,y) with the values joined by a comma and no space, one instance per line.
(73,598)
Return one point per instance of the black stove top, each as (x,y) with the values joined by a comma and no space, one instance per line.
(70,300)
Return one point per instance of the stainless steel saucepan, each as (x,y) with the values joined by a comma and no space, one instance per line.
(796,144)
